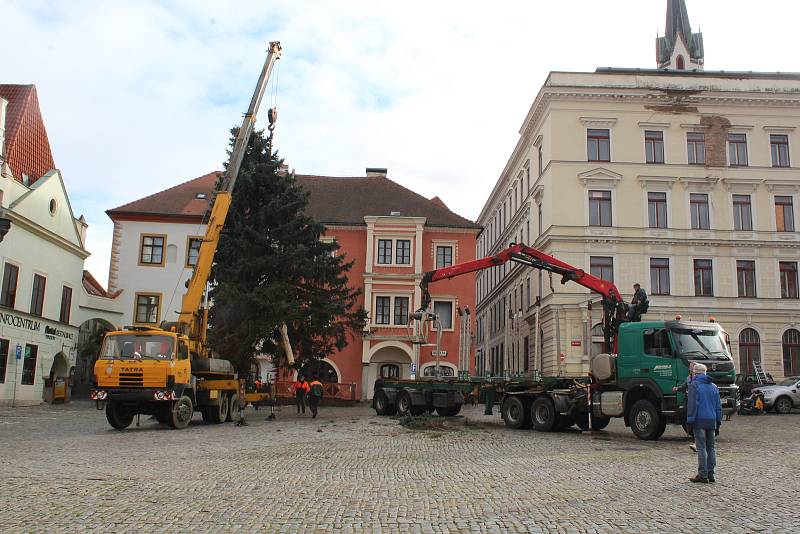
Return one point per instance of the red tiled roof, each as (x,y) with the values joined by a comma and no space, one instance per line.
(332,200)
(180,201)
(27,149)
(93,287)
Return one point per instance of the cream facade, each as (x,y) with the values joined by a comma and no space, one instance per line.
(716,237)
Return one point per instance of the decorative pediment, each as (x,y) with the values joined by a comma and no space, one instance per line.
(779,129)
(657,183)
(743,185)
(706,183)
(599,122)
(600,177)
(783,186)
(654,125)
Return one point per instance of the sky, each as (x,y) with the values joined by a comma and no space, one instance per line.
(138,96)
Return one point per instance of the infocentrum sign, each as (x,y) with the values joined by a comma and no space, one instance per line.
(26,323)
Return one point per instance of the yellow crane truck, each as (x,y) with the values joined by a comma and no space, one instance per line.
(169,371)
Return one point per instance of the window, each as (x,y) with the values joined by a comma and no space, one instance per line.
(749,350)
(696,147)
(680,63)
(385,251)
(659,276)
(598,145)
(599,208)
(29,365)
(703,278)
(779,146)
(403,251)
(654,146)
(602,267)
(66,304)
(9,293)
(541,165)
(193,251)
(742,213)
(444,256)
(390,370)
(382,310)
(444,309)
(5,345)
(746,278)
(539,215)
(784,214)
(737,150)
(656,342)
(657,209)
(37,295)
(152,250)
(401,310)
(148,308)
(788,270)
(444,370)
(698,205)
(791,353)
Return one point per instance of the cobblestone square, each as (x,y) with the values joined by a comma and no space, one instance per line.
(65,470)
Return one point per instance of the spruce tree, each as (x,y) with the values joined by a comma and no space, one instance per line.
(271,267)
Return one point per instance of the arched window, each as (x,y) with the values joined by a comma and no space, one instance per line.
(598,340)
(791,353)
(320,369)
(390,370)
(749,350)
(444,370)
(679,63)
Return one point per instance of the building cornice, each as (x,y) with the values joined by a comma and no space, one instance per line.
(30,226)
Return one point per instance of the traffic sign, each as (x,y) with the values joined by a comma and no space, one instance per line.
(19,352)
(413,368)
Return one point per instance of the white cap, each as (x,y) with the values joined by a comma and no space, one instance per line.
(699,369)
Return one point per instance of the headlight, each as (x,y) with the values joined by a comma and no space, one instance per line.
(99,395)
(159,395)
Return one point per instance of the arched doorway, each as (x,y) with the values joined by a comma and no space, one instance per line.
(598,339)
(791,352)
(56,382)
(390,358)
(749,350)
(90,337)
(321,369)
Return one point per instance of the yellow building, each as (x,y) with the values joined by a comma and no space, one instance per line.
(681,179)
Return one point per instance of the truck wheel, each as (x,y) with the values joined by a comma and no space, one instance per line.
(403,403)
(216,414)
(783,405)
(543,414)
(117,416)
(514,413)
(599,423)
(234,412)
(181,412)
(645,420)
(454,410)
(381,403)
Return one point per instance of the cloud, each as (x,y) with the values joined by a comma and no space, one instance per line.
(138,96)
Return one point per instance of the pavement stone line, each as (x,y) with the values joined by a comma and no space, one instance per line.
(64,470)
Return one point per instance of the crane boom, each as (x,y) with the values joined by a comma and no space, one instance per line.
(193,320)
(614,308)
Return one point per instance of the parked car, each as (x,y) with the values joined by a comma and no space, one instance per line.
(783,396)
(746,384)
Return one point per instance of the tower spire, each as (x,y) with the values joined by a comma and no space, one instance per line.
(679,49)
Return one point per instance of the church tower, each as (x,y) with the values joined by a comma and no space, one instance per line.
(679,49)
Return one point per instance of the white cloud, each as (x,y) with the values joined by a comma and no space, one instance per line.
(138,96)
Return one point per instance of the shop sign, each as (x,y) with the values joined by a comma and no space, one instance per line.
(52,333)
(9,319)
(576,343)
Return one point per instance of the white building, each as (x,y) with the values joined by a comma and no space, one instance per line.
(43,298)
(679,178)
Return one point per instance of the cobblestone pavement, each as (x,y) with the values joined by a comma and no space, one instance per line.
(62,469)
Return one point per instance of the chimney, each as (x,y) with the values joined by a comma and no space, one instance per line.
(377,171)
(3,105)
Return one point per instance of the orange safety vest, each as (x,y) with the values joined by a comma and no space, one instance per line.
(317,383)
(298,385)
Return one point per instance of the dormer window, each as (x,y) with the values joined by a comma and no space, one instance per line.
(680,64)
(201,196)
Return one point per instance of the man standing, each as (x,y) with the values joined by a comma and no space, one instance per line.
(638,305)
(301,388)
(684,388)
(704,413)
(314,396)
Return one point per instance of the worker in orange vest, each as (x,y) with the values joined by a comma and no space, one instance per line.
(315,395)
(301,389)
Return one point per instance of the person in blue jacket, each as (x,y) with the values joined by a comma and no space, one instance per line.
(704,413)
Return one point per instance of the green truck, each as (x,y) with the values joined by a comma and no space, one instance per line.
(633,379)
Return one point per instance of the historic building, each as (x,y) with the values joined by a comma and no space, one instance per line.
(44,300)
(393,234)
(682,179)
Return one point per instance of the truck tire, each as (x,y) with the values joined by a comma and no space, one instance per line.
(783,405)
(404,403)
(515,413)
(234,412)
(181,413)
(117,416)
(543,414)
(381,403)
(599,423)
(645,420)
(216,414)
